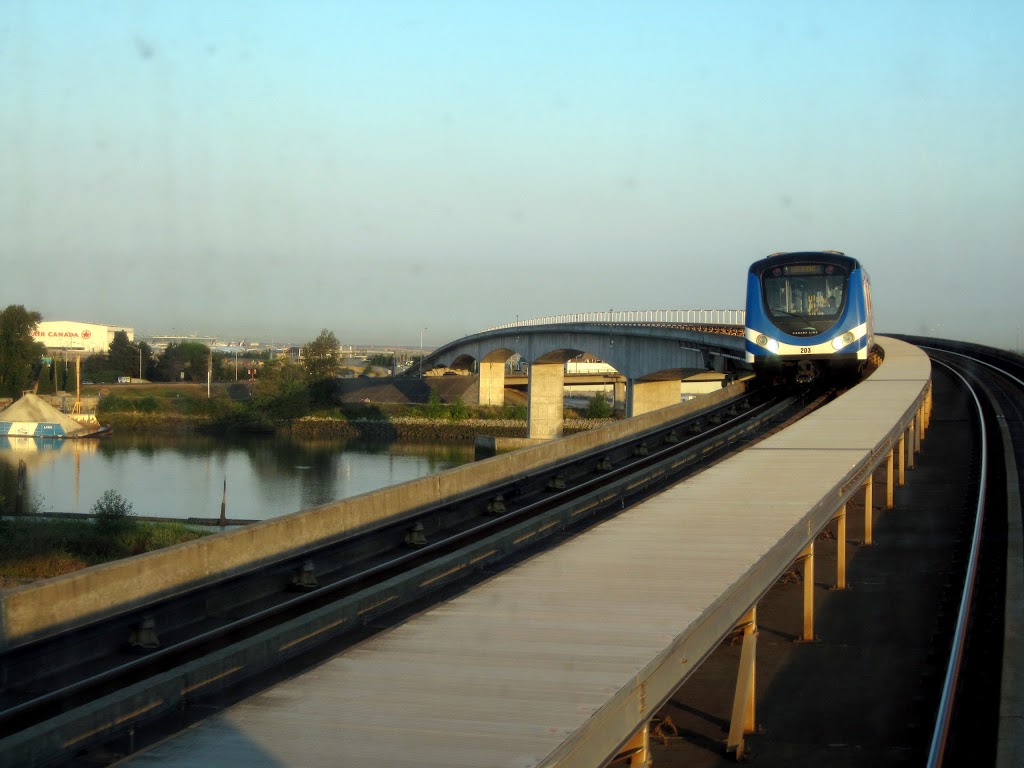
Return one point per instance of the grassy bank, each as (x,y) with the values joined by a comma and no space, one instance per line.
(33,548)
(241,408)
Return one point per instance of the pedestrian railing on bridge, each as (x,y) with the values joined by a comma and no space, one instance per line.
(686,317)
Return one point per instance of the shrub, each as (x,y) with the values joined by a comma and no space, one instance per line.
(146,405)
(435,408)
(113,514)
(517,412)
(458,411)
(599,407)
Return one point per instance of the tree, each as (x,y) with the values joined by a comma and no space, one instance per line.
(322,356)
(190,358)
(96,367)
(18,352)
(70,382)
(381,360)
(45,386)
(322,361)
(282,391)
(124,356)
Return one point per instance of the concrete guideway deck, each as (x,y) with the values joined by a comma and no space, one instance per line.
(565,657)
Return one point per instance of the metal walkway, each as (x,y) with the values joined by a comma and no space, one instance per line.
(562,659)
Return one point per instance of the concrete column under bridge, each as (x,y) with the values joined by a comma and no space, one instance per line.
(491,383)
(646,396)
(545,393)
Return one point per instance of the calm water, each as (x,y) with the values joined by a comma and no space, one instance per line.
(183,475)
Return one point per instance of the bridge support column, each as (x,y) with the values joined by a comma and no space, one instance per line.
(919,431)
(903,459)
(545,401)
(807,559)
(742,720)
(646,396)
(890,501)
(928,407)
(491,384)
(869,510)
(619,393)
(840,519)
(909,443)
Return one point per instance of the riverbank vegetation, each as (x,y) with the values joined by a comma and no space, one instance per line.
(34,546)
(188,386)
(284,401)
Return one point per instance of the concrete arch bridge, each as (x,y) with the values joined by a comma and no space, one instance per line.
(653,350)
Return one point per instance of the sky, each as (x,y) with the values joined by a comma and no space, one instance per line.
(392,171)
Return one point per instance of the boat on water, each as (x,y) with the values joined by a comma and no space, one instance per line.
(31,416)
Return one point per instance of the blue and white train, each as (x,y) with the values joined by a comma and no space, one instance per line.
(808,313)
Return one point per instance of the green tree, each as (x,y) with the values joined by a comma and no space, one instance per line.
(46,386)
(190,358)
(96,367)
(18,352)
(70,383)
(382,361)
(322,360)
(125,358)
(322,356)
(282,390)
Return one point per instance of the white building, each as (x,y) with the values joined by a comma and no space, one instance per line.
(87,337)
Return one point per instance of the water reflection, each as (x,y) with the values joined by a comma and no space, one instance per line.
(179,476)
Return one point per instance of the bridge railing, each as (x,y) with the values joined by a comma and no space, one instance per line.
(639,316)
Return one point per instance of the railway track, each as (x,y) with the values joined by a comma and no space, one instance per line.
(911,667)
(64,697)
(978,696)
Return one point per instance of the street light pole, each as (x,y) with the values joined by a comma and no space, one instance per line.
(421,351)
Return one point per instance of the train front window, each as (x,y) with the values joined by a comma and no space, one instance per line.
(804,299)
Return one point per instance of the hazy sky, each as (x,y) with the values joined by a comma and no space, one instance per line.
(269,169)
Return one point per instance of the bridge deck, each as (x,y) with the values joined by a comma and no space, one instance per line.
(557,659)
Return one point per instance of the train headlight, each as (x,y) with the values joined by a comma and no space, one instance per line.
(770,344)
(841,341)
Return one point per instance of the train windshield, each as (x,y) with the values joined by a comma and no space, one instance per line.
(805,299)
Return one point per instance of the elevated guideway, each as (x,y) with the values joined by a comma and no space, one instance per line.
(564,659)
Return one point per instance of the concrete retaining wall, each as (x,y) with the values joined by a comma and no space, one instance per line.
(44,608)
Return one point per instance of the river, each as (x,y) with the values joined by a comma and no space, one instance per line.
(184,476)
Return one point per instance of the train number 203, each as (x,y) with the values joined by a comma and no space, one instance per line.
(805,350)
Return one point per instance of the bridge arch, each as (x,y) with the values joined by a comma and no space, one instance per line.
(653,359)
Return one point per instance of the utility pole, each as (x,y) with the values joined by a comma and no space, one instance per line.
(421,351)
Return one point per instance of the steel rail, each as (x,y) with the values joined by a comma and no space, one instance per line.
(940,734)
(995,368)
(80,692)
